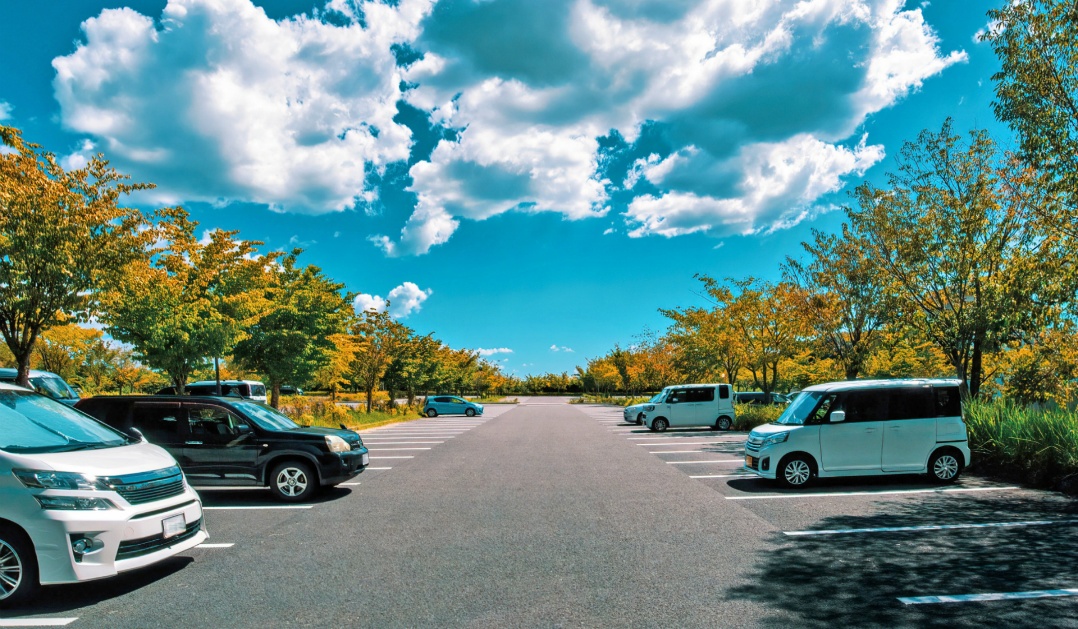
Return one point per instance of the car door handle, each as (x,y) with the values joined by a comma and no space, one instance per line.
(870,430)
(193,443)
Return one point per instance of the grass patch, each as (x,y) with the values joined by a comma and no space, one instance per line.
(610,400)
(495,400)
(323,412)
(750,416)
(1038,446)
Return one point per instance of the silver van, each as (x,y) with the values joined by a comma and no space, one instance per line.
(686,405)
(46,383)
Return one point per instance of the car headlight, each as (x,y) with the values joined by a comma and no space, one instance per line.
(74,503)
(336,444)
(649,407)
(48,479)
(778,437)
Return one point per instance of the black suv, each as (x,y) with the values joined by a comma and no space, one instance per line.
(233,441)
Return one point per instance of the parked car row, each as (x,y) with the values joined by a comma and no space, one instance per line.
(105,487)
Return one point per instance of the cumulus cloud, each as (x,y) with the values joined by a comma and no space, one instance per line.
(492,351)
(679,116)
(401,301)
(5,110)
(561,348)
(216,101)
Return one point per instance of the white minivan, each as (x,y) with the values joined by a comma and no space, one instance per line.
(864,428)
(686,405)
(81,501)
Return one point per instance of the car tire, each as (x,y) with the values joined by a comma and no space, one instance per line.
(470,412)
(945,466)
(431,412)
(293,481)
(723,423)
(659,424)
(640,419)
(795,471)
(18,567)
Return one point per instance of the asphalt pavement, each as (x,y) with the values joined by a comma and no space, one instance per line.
(546,514)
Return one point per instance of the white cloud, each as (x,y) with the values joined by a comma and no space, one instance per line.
(5,110)
(401,301)
(80,157)
(561,348)
(218,101)
(493,351)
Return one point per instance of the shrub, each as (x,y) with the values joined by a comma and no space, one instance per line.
(750,416)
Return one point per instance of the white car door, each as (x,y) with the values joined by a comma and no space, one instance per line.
(857,442)
(909,434)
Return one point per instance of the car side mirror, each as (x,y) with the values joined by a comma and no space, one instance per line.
(136,433)
(243,429)
(838,416)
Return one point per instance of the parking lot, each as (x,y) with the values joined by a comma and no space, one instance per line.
(550,514)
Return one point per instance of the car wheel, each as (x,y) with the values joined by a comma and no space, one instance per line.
(640,419)
(18,567)
(470,412)
(659,424)
(944,466)
(723,423)
(795,471)
(293,481)
(431,412)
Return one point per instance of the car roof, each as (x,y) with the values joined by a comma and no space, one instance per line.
(230,399)
(5,386)
(11,372)
(697,384)
(852,385)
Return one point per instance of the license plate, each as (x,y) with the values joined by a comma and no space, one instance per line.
(174,526)
(365,459)
(751,462)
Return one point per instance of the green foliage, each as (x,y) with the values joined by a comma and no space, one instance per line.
(63,238)
(1037,445)
(750,416)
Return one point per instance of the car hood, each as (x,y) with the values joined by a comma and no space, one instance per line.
(766,430)
(118,461)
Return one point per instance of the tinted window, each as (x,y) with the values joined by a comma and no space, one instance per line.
(703,394)
(864,406)
(913,403)
(724,391)
(159,424)
(948,402)
(213,424)
(677,396)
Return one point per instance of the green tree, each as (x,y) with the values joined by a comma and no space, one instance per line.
(63,237)
(842,296)
(1037,90)
(958,234)
(377,337)
(290,339)
(191,301)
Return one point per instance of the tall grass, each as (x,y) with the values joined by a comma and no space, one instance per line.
(323,412)
(1036,445)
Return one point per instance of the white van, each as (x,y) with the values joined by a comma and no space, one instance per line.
(864,428)
(81,501)
(691,405)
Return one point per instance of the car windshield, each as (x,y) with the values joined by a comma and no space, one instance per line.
(258,390)
(798,410)
(52,387)
(31,423)
(266,417)
(656,398)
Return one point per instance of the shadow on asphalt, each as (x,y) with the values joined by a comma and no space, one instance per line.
(66,598)
(855,580)
(261,497)
(894,482)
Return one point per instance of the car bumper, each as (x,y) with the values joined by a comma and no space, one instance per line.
(761,463)
(345,466)
(123,539)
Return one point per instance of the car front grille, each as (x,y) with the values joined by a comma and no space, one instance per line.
(150,486)
(146,545)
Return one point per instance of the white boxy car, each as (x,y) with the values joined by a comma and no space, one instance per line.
(635,414)
(864,428)
(81,501)
(687,405)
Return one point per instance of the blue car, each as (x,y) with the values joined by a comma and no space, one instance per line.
(450,405)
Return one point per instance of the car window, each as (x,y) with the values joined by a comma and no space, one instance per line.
(910,403)
(864,406)
(264,416)
(159,423)
(677,396)
(52,387)
(702,394)
(724,391)
(948,402)
(32,423)
(213,423)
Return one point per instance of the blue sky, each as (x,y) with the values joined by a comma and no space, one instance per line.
(528,179)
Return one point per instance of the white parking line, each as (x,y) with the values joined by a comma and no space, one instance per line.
(870,493)
(215,546)
(379,468)
(724,461)
(390,449)
(682,443)
(994,596)
(36,622)
(676,452)
(931,527)
(392,457)
(257,507)
(396,443)
(350,484)
(720,476)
